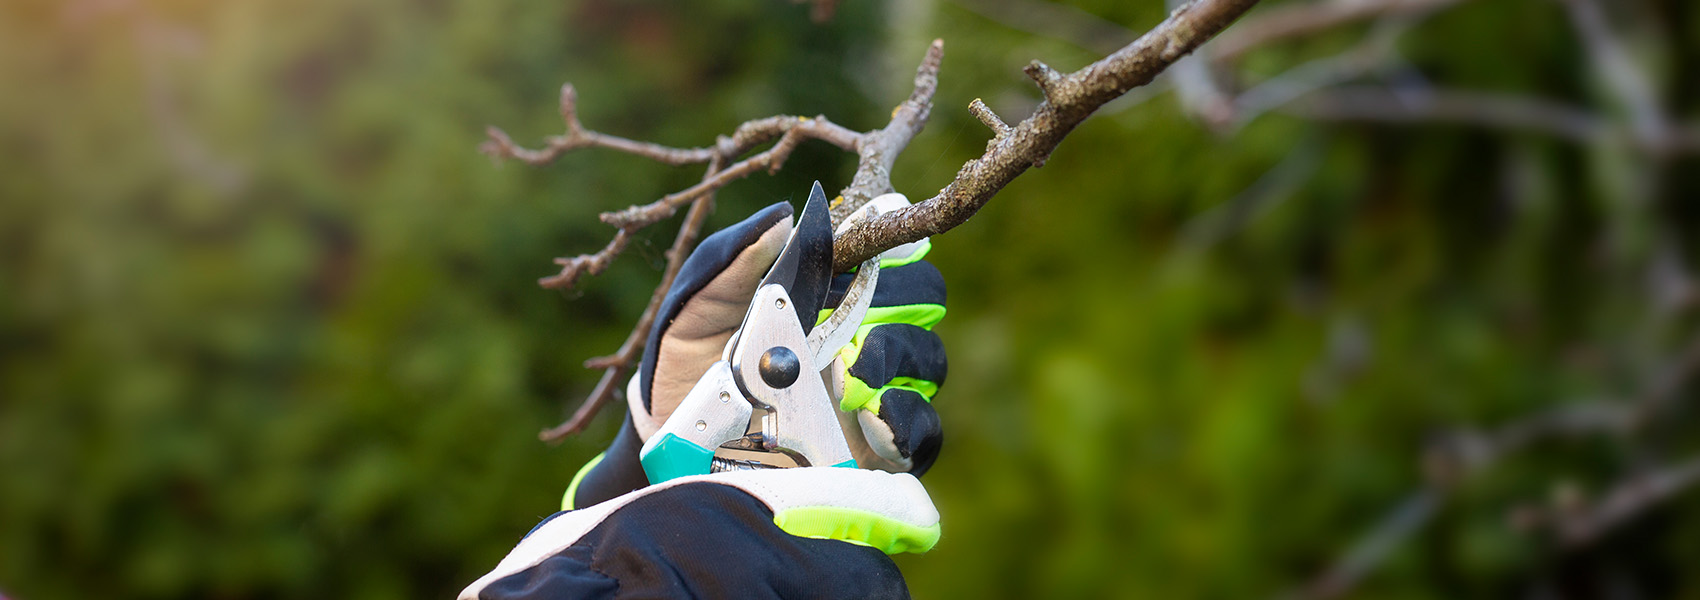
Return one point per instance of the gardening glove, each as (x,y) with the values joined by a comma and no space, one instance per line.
(815,532)
(885,380)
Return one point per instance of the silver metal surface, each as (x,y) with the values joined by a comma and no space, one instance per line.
(803,418)
(840,328)
(804,266)
(702,418)
(743,455)
(721,465)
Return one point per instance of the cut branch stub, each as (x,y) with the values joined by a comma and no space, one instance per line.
(1043,75)
(984,113)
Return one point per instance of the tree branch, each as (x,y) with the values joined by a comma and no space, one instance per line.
(501,146)
(1069,100)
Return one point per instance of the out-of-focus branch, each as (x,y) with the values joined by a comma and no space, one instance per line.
(1456,457)
(1405,518)
(1623,76)
(1485,109)
(1061,22)
(1375,52)
(1200,95)
(1290,21)
(1069,100)
(1525,113)
(1577,523)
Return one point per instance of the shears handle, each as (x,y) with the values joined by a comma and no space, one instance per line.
(713,412)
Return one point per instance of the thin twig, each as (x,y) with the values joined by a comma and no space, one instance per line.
(586,264)
(638,217)
(788,129)
(501,146)
(991,119)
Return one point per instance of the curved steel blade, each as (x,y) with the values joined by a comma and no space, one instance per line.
(838,329)
(804,267)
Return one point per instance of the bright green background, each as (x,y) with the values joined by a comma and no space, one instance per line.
(269,326)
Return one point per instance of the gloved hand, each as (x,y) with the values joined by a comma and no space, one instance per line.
(884,379)
(776,533)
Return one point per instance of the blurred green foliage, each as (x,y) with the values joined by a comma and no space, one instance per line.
(269,327)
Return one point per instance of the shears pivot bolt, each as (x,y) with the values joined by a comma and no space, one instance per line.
(779,367)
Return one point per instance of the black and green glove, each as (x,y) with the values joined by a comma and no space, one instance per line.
(887,375)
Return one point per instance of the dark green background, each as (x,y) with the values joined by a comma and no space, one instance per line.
(269,326)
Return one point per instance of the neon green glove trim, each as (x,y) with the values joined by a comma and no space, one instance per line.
(572,488)
(924,316)
(919,253)
(858,527)
(858,395)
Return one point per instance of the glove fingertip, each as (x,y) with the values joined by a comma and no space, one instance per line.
(916,433)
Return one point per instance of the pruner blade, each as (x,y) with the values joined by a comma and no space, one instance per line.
(804,267)
(838,329)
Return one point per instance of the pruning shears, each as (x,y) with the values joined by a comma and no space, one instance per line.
(765,403)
